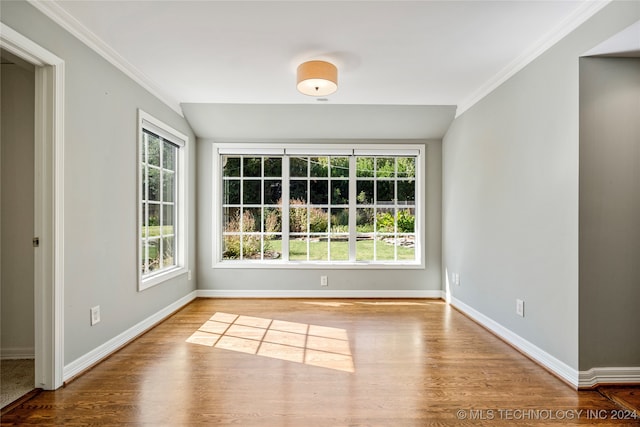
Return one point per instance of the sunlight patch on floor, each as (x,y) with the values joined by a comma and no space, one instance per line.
(314,345)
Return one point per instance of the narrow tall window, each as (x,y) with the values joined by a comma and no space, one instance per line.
(161,201)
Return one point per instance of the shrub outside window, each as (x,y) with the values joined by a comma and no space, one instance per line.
(334,207)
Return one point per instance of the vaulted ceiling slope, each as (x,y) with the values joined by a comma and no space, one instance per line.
(388,53)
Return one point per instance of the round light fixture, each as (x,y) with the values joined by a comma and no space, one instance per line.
(317,78)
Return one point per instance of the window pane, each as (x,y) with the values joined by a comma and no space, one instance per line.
(153,150)
(365,220)
(251,247)
(407,251)
(231,166)
(364,249)
(298,166)
(169,156)
(319,167)
(339,166)
(298,220)
(231,192)
(272,247)
(385,221)
(251,192)
(143,225)
(168,249)
(251,219)
(273,166)
(364,190)
(231,219)
(231,247)
(406,167)
(153,248)
(406,221)
(252,166)
(272,192)
(385,191)
(168,186)
(145,179)
(143,258)
(385,167)
(385,249)
(298,249)
(339,220)
(319,249)
(273,220)
(339,247)
(154,219)
(319,192)
(298,190)
(364,166)
(167,219)
(406,192)
(154,184)
(318,220)
(339,192)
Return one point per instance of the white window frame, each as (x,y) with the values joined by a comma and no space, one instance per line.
(317,149)
(151,124)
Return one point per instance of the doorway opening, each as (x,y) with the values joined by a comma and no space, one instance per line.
(17,336)
(47,201)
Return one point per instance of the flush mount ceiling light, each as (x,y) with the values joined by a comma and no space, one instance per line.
(317,78)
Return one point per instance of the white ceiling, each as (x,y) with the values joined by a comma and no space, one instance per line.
(408,53)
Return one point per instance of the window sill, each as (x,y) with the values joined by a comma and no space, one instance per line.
(301,265)
(156,279)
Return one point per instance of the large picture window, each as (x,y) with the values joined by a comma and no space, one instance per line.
(161,209)
(304,206)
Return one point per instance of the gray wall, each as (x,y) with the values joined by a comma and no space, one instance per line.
(309,279)
(609,212)
(17,142)
(100,210)
(510,194)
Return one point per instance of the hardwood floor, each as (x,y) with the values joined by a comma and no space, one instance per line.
(317,363)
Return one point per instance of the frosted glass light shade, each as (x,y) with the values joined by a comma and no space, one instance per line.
(317,78)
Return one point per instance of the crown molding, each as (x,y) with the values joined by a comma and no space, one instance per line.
(63,18)
(585,11)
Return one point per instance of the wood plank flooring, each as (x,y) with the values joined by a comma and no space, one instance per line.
(413,363)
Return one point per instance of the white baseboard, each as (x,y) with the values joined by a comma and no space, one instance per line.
(97,354)
(612,375)
(17,353)
(230,293)
(559,368)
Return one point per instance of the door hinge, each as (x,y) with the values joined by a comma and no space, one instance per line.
(36,242)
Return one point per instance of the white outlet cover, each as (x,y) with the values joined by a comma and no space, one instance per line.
(95,315)
(520,307)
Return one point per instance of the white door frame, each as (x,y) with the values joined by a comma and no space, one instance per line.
(48,207)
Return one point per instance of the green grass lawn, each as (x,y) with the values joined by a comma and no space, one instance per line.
(318,251)
(154,230)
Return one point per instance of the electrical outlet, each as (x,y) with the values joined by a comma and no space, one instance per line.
(95,315)
(520,307)
(324,281)
(189,275)
(455,279)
